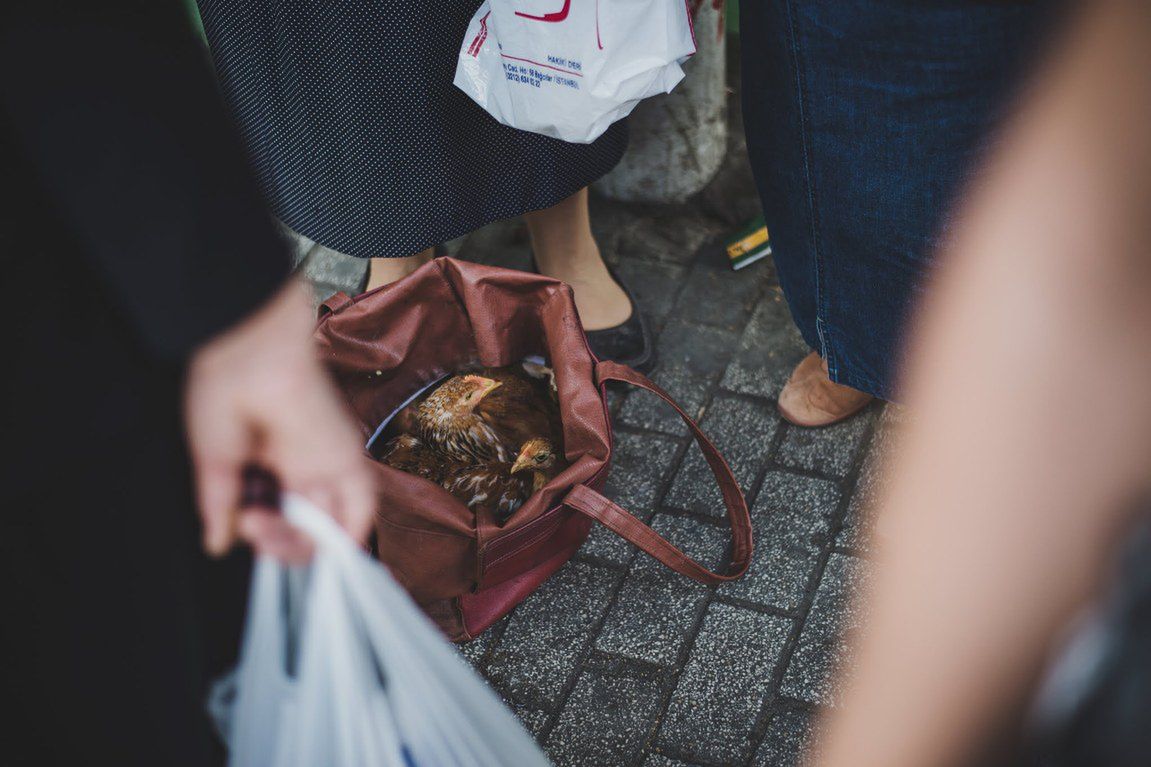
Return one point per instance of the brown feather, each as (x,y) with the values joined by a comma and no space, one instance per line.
(448,421)
(495,487)
(489,486)
(521,408)
(414,456)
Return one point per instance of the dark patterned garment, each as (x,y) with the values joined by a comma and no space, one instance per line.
(360,139)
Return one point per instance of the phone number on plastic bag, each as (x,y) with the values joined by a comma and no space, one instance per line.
(536,78)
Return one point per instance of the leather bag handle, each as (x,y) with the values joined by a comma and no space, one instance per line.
(333,304)
(587,501)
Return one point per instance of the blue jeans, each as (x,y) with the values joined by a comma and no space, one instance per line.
(863,118)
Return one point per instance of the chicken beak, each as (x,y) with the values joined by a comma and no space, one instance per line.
(489,387)
(522,462)
(482,387)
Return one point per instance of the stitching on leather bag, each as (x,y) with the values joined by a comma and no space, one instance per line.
(545,531)
(421,530)
(459,609)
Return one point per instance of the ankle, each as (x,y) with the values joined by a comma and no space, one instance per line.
(573,260)
(385,271)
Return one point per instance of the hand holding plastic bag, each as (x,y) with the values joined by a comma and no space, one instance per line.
(570,69)
(339,668)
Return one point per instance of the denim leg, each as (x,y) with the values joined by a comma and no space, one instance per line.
(863,119)
(773,115)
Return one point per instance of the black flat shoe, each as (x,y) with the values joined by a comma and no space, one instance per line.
(628,343)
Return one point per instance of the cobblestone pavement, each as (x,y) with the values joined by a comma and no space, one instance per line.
(618,661)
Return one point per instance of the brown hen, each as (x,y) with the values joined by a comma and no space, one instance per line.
(521,408)
(503,487)
(447,421)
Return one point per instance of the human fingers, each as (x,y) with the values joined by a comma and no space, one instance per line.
(272,535)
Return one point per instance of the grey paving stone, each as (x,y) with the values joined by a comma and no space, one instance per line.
(327,270)
(615,397)
(672,235)
(641,464)
(654,285)
(691,358)
(715,294)
(656,607)
(500,243)
(659,760)
(830,450)
(646,411)
(609,220)
(605,721)
(532,719)
(791,520)
(856,532)
(732,196)
(742,430)
(783,744)
(474,650)
(821,647)
(696,348)
(548,631)
(768,351)
(723,686)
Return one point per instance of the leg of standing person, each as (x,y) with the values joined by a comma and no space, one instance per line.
(384,271)
(861,125)
(565,248)
(1004,509)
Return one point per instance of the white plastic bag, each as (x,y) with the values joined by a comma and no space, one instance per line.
(340,669)
(570,69)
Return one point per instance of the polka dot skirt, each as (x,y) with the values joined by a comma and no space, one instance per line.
(360,139)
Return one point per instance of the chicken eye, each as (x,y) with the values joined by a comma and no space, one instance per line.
(540,458)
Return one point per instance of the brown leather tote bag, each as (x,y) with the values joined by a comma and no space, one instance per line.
(463,569)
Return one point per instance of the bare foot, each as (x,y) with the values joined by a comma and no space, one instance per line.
(565,249)
(810,398)
(385,271)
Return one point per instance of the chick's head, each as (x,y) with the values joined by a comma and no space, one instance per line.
(461,394)
(536,454)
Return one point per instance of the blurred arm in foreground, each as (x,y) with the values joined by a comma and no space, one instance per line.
(1029,381)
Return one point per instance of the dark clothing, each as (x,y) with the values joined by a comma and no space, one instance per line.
(360,139)
(112,108)
(129,233)
(863,120)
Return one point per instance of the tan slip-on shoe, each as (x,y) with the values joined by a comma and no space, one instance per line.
(811,399)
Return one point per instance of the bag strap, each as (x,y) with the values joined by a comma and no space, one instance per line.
(333,304)
(587,501)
